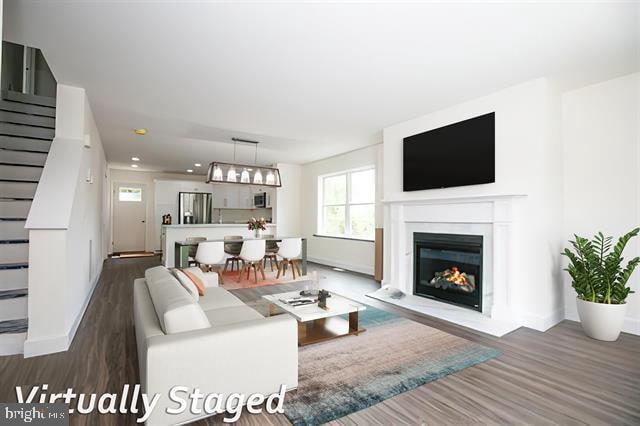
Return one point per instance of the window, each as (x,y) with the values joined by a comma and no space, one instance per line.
(347,204)
(130,194)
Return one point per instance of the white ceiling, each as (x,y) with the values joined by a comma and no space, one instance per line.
(308,80)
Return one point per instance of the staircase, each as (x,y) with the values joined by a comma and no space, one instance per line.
(27,127)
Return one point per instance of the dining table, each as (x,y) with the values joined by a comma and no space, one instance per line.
(182,249)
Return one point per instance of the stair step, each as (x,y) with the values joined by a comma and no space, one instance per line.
(13,266)
(27,108)
(9,156)
(14,326)
(11,207)
(13,279)
(12,343)
(12,294)
(18,143)
(20,173)
(18,189)
(14,308)
(14,253)
(10,95)
(13,229)
(9,129)
(27,119)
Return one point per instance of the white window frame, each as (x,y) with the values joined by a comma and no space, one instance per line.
(121,187)
(347,205)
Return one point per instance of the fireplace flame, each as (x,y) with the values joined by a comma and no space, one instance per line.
(456,276)
(453,278)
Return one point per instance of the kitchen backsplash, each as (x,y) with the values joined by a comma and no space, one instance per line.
(240,215)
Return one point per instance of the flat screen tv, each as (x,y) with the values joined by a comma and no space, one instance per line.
(459,154)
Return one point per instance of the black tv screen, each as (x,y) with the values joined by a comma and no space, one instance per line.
(455,155)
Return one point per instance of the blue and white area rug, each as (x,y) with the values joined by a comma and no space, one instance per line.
(394,355)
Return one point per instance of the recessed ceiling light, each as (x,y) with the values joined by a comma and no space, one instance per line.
(135,159)
(135,166)
(140,131)
(198,165)
(189,171)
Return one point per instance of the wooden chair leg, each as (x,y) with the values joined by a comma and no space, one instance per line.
(248,267)
(240,275)
(262,272)
(255,273)
(279,270)
(293,268)
(226,263)
(297,265)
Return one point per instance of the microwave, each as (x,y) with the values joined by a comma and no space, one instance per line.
(260,200)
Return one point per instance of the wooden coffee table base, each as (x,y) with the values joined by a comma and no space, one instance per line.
(327,328)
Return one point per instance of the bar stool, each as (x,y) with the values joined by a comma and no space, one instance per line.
(193,248)
(270,251)
(289,250)
(232,249)
(251,254)
(210,254)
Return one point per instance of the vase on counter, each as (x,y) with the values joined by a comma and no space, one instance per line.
(258,232)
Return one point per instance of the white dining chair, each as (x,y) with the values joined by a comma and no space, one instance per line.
(208,255)
(289,250)
(251,254)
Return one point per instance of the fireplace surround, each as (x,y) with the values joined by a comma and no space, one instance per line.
(491,216)
(448,268)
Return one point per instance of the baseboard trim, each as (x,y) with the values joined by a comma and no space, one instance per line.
(50,345)
(543,323)
(631,326)
(367,270)
(61,343)
(74,327)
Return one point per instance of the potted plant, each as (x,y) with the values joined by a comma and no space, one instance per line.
(257,225)
(601,283)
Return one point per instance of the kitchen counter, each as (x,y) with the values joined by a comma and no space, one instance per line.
(212,225)
(170,234)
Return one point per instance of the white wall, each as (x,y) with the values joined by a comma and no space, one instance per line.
(349,254)
(67,224)
(601,136)
(528,162)
(130,176)
(288,209)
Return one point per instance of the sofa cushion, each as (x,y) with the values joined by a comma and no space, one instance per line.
(187,283)
(174,306)
(210,279)
(232,315)
(217,297)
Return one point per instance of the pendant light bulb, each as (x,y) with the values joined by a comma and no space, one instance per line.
(244,176)
(217,174)
(257,178)
(271,178)
(231,175)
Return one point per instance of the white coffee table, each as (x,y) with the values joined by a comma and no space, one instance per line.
(316,324)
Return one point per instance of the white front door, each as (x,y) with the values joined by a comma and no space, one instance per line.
(129,217)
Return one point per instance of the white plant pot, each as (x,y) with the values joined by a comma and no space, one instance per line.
(601,321)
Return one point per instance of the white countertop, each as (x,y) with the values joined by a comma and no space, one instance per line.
(212,225)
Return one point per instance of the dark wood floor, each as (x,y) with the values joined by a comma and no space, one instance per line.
(557,377)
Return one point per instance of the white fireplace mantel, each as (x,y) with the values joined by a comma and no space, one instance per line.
(494,217)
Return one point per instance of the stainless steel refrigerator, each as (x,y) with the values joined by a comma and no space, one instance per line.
(194,207)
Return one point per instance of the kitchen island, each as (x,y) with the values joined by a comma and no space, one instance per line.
(171,234)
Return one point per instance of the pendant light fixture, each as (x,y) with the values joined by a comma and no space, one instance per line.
(249,175)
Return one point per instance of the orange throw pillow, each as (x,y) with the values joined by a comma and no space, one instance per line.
(196,281)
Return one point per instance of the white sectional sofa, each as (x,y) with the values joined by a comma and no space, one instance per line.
(216,344)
